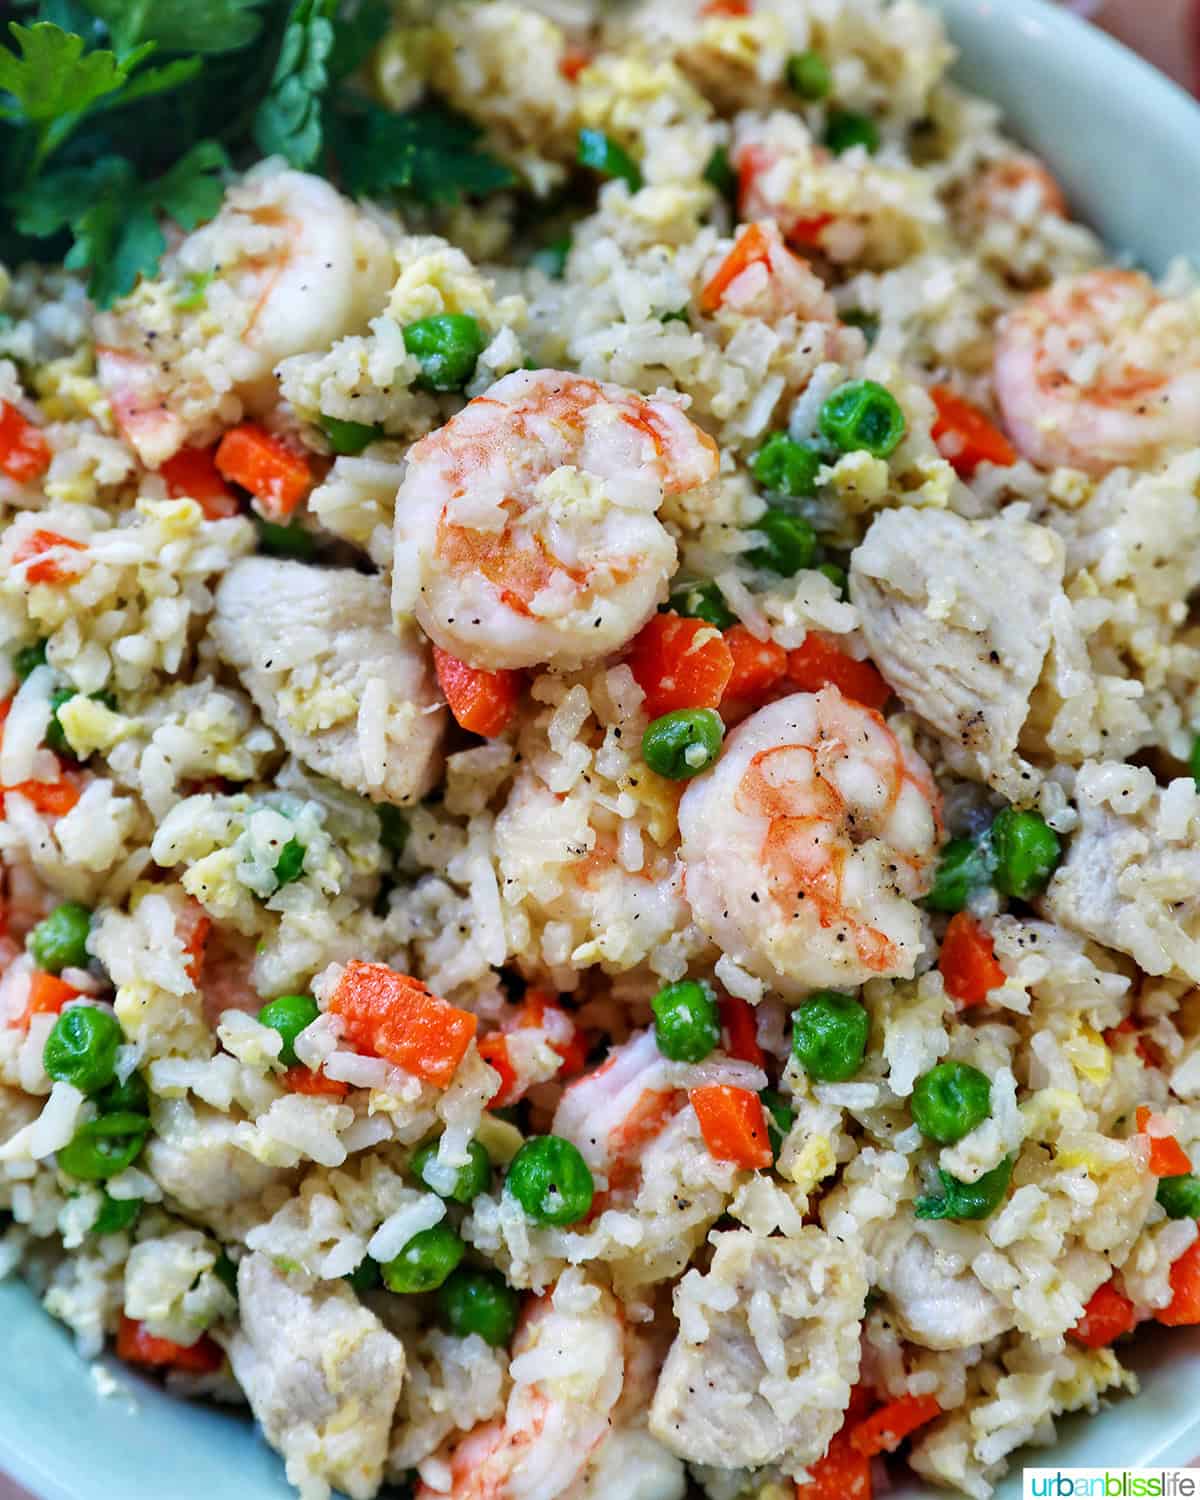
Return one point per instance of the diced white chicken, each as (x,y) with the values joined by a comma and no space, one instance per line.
(957,615)
(349,695)
(767,1350)
(938,1302)
(322,1376)
(192,1156)
(1131,877)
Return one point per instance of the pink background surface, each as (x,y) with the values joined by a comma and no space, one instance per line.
(1167,32)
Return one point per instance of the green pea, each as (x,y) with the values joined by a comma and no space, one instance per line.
(551,1181)
(964,867)
(131,1096)
(28,658)
(846,128)
(808,75)
(104,1146)
(837,576)
(292,540)
(683,743)
(551,259)
(1180,1196)
(82,1048)
(967,1200)
(1194,760)
(116,1214)
(473,1178)
(780,1118)
(348,437)
(789,543)
(289,1015)
(786,467)
(290,864)
(448,347)
(687,1025)
(719,173)
(393,827)
(479,1302)
(365,1276)
(604,155)
(829,1036)
(950,1100)
(425,1261)
(1026,851)
(703,601)
(863,415)
(59,941)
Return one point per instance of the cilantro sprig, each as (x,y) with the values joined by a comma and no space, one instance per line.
(118,114)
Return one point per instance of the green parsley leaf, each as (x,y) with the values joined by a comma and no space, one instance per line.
(288,121)
(53,75)
(356,37)
(204,26)
(114,219)
(428,153)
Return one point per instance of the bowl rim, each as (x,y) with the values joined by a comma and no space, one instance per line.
(53,1474)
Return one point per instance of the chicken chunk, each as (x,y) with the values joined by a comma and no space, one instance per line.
(957,615)
(193,1158)
(349,695)
(1131,878)
(936,1303)
(322,1376)
(767,1350)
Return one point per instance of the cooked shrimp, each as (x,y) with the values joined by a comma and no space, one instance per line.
(1017,187)
(806,847)
(526,527)
(1100,370)
(613,1113)
(568,1368)
(288,265)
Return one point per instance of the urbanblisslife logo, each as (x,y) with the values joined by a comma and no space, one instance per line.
(1112,1484)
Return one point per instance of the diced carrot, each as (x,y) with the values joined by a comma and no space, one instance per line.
(276,474)
(54,797)
(1167,1156)
(573,61)
(819,663)
(965,437)
(884,1430)
(968,961)
(1183,1310)
(725,8)
(1145,1049)
(302,1080)
(843,1474)
(733,1124)
(1106,1317)
(193,473)
(481,701)
(806,232)
(740,1026)
(750,248)
(571,1045)
(138,1347)
(45,569)
(680,663)
(494,1051)
(47,996)
(397,1018)
(757,667)
(24,451)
